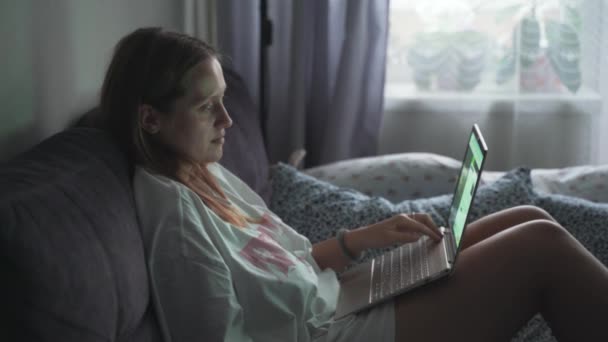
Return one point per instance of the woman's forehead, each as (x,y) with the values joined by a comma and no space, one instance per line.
(205,80)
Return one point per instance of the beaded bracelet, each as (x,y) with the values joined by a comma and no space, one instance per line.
(340,237)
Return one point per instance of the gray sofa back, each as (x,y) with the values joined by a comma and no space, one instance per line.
(73,264)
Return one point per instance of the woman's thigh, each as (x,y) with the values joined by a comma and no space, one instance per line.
(492,292)
(496,222)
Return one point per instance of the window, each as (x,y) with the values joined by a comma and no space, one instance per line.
(500,47)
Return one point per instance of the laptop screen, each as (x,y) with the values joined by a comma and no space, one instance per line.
(467,184)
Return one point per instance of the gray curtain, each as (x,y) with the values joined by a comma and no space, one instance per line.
(325,78)
(238,39)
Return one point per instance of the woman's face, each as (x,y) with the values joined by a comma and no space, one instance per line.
(196,125)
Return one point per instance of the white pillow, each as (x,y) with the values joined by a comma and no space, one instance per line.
(396,177)
(588,182)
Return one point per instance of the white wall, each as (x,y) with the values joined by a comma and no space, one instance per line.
(16,80)
(55,54)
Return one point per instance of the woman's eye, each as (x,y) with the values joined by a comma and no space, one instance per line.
(207,107)
(212,105)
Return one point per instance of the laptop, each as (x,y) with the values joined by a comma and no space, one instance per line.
(414,264)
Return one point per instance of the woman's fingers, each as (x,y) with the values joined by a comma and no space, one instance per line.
(422,225)
(425,219)
(402,228)
(428,221)
(405,236)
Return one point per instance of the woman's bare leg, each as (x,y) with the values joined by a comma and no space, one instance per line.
(501,282)
(501,220)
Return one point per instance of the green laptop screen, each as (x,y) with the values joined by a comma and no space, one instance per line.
(463,196)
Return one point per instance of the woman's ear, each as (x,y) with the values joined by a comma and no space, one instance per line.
(149,118)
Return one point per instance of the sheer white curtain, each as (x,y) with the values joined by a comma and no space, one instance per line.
(529,72)
(602,128)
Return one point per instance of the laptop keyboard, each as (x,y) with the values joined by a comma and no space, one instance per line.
(393,271)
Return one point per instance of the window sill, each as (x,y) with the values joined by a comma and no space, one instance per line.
(397,96)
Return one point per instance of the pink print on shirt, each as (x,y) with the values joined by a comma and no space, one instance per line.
(266,223)
(263,250)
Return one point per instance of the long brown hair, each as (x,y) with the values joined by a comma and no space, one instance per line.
(147,68)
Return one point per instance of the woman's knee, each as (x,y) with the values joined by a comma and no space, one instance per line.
(535,244)
(543,234)
(531,212)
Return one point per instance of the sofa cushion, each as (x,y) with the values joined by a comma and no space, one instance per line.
(70,241)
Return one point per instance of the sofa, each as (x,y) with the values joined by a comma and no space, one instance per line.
(72,253)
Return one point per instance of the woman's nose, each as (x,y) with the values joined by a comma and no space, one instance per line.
(224,118)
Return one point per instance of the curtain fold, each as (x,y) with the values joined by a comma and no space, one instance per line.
(326,83)
(200,20)
(238,39)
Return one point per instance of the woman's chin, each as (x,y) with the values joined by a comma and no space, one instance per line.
(216,155)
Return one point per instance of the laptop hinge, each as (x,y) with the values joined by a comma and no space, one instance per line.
(446,252)
(447,245)
(451,246)
(371,280)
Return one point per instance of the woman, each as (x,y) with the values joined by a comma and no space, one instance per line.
(223,267)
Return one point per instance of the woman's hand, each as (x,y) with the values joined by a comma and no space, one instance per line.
(398,229)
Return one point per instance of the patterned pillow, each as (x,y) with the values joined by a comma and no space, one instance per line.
(585,181)
(584,219)
(395,177)
(316,208)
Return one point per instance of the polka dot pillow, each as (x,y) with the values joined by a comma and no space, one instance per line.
(395,177)
(586,220)
(587,181)
(316,208)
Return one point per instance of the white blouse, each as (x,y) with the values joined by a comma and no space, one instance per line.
(212,281)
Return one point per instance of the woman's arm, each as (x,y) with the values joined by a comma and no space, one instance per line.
(397,229)
(328,253)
